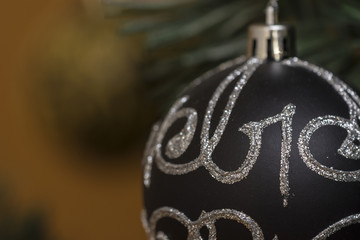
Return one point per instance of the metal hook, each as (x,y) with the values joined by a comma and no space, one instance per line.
(271,12)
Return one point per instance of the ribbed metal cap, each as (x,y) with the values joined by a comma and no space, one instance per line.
(271,40)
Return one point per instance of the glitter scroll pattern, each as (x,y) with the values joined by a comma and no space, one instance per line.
(209,219)
(205,220)
(149,154)
(345,222)
(178,144)
(208,143)
(254,129)
(348,149)
(311,162)
(153,147)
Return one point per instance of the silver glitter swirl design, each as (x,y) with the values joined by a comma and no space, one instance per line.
(161,236)
(209,219)
(311,162)
(345,222)
(254,129)
(206,219)
(178,144)
(148,158)
(348,149)
(208,144)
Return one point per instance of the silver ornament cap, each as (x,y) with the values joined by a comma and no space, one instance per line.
(271,40)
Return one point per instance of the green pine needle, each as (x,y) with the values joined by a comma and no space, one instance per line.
(188,37)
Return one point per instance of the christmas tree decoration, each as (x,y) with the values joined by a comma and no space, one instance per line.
(183,39)
(262,147)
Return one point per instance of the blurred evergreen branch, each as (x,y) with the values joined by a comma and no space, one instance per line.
(185,38)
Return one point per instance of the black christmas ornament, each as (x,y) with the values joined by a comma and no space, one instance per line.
(263,147)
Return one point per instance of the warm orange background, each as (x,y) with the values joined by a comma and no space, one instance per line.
(81,201)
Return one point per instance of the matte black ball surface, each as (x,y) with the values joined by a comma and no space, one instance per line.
(314,201)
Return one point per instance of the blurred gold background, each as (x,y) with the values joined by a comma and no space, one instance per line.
(84,195)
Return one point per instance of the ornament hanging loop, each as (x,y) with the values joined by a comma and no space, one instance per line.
(272,12)
(271,41)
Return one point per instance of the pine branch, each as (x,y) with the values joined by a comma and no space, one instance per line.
(190,36)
